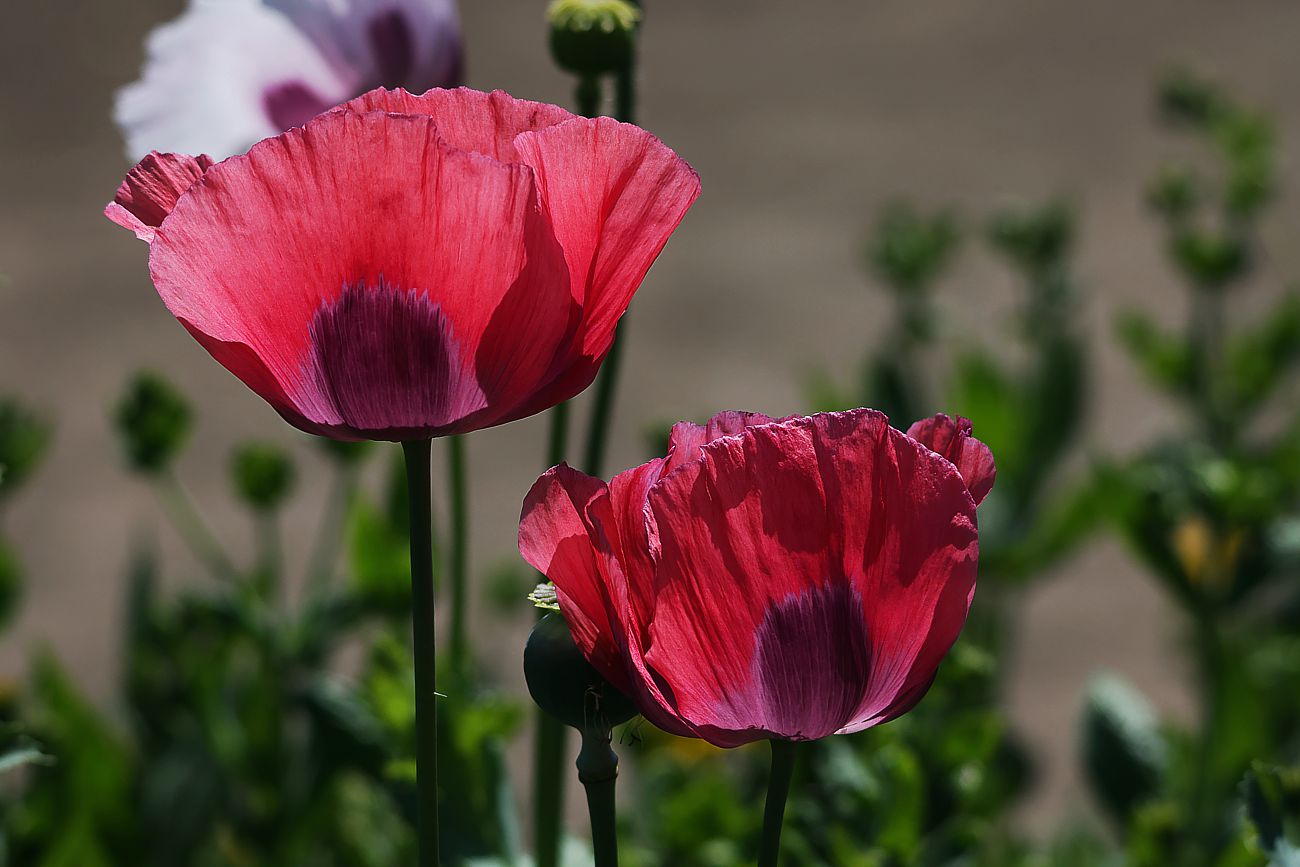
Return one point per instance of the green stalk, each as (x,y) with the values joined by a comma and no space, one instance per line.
(778,790)
(191,527)
(602,411)
(333,527)
(552,742)
(458,565)
(267,529)
(1209,647)
(422,626)
(598,773)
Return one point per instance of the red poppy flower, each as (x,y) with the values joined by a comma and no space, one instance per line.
(411,266)
(766,579)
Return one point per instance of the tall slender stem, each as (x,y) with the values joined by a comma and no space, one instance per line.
(329,538)
(778,789)
(422,625)
(602,411)
(1209,647)
(552,741)
(269,559)
(458,565)
(191,526)
(598,772)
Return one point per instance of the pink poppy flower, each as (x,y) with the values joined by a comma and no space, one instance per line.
(766,579)
(228,73)
(411,266)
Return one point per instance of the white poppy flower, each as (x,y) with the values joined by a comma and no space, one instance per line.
(228,73)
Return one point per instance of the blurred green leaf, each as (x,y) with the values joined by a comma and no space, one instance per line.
(1258,359)
(1123,753)
(1166,359)
(1272,801)
(24,438)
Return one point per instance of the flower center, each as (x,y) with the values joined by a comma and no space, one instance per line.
(812,661)
(385,360)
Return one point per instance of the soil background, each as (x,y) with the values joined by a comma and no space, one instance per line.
(802,120)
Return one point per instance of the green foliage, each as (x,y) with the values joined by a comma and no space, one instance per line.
(1122,750)
(1272,801)
(910,250)
(154,421)
(24,438)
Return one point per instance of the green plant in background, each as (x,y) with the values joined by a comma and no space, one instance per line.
(1210,511)
(24,438)
(241,744)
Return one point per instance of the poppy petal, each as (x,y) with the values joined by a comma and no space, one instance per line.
(953,440)
(151,189)
(614,193)
(485,123)
(256,250)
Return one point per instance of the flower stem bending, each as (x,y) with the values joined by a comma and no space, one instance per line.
(778,789)
(458,571)
(426,710)
(598,772)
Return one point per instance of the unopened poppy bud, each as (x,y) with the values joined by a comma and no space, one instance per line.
(154,421)
(1187,98)
(23,438)
(263,475)
(593,37)
(565,685)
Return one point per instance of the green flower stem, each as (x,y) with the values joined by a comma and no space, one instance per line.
(1206,335)
(191,527)
(1213,675)
(598,772)
(458,560)
(552,743)
(602,411)
(267,529)
(333,527)
(422,623)
(778,789)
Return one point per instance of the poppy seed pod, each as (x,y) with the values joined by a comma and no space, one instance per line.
(593,37)
(565,685)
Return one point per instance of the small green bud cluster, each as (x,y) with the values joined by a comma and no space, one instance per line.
(154,421)
(263,475)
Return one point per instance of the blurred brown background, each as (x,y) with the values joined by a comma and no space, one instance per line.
(802,119)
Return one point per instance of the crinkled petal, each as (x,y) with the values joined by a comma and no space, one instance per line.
(266,244)
(566,533)
(780,545)
(151,189)
(614,193)
(953,440)
(224,75)
(471,120)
